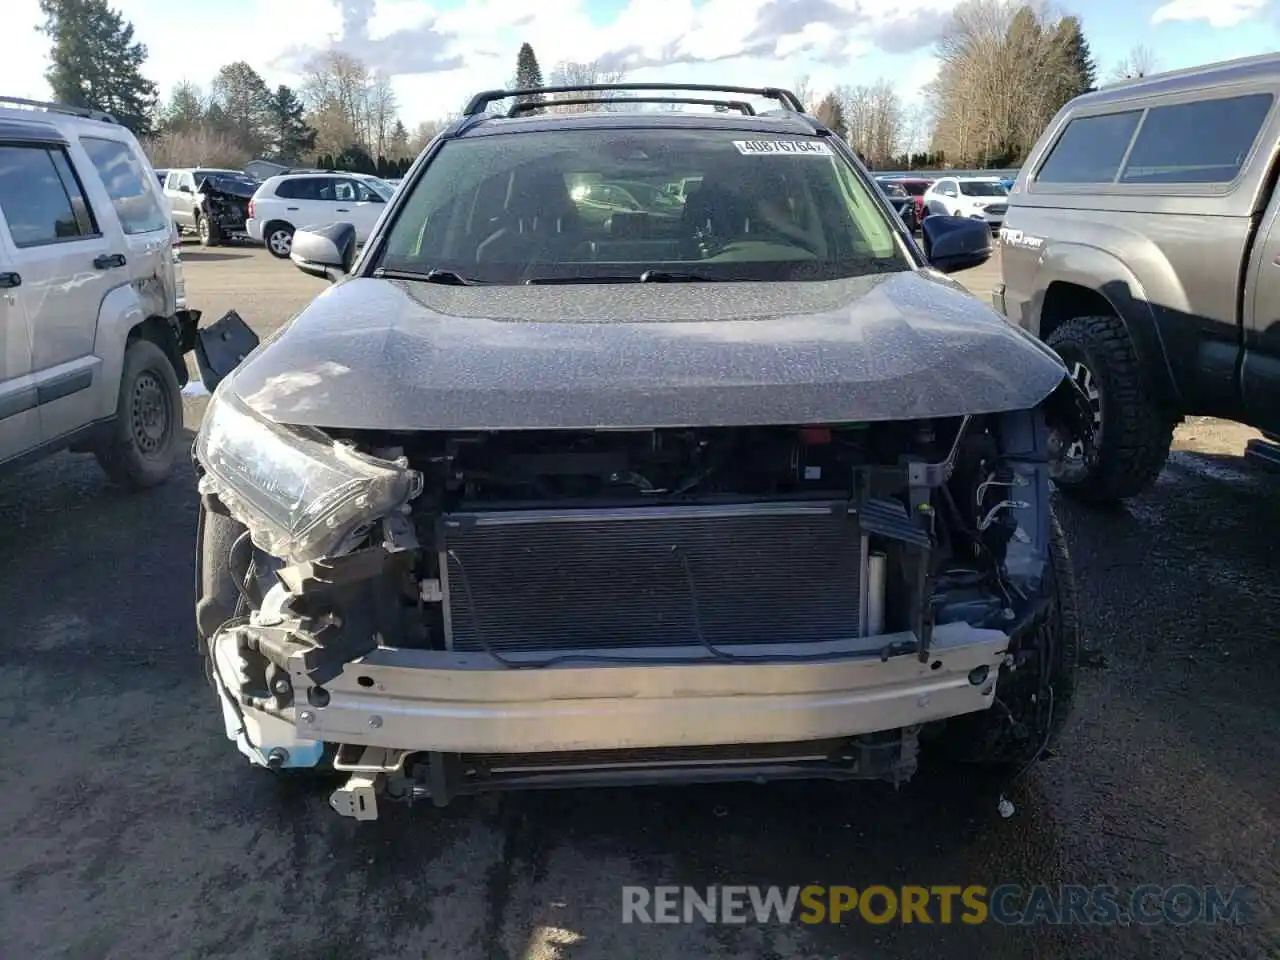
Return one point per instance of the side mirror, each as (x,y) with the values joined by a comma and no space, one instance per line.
(327,251)
(956,243)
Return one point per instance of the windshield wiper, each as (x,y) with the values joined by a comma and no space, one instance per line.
(446,277)
(649,276)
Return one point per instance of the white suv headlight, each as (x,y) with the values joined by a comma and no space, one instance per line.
(300,494)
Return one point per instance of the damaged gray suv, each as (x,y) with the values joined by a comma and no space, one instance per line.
(724,482)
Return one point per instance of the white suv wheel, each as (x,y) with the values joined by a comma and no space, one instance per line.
(280,241)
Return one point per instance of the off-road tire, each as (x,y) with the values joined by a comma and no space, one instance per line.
(985,739)
(272,228)
(130,453)
(1135,433)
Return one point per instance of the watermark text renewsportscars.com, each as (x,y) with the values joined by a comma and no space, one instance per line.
(1006,904)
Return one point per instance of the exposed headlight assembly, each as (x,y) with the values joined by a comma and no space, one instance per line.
(300,494)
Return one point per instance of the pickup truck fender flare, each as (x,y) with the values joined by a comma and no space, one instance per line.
(1095,270)
(122,315)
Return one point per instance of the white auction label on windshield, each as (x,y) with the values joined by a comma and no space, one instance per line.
(757,148)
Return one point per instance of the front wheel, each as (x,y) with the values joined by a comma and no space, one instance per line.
(210,235)
(1033,701)
(142,441)
(1131,435)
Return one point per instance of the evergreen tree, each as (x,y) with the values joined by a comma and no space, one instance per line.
(831,113)
(355,159)
(1080,71)
(398,144)
(528,75)
(185,110)
(95,62)
(246,102)
(1084,71)
(290,136)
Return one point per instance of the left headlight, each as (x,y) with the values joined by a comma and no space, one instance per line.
(300,494)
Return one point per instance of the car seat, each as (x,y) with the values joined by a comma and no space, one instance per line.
(540,222)
(714,216)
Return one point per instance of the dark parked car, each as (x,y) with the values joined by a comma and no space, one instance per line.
(903,203)
(526,500)
(916,186)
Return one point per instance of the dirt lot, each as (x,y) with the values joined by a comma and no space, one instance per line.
(130,825)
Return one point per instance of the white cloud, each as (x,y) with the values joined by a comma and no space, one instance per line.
(1217,13)
(439,57)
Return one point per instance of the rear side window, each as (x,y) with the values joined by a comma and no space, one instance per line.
(1090,150)
(126,178)
(41,197)
(1202,142)
(304,188)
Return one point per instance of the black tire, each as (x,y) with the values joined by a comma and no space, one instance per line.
(277,237)
(990,738)
(207,230)
(1132,434)
(142,441)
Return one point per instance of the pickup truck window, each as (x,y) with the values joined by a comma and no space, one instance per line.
(1205,141)
(1090,149)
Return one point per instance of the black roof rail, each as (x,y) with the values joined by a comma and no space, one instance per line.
(528,106)
(480,102)
(87,112)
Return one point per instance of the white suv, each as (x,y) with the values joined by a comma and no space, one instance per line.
(978,198)
(292,201)
(93,327)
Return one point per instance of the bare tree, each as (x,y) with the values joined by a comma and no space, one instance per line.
(425,132)
(381,108)
(915,125)
(1005,69)
(201,145)
(569,73)
(805,93)
(336,87)
(873,116)
(1141,61)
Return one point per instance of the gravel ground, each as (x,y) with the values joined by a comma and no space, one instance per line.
(129,824)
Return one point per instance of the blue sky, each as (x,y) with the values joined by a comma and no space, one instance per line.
(439,51)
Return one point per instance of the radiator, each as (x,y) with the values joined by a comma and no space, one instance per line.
(533,580)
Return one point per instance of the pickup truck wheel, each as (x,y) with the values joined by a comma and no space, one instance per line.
(142,441)
(1034,700)
(278,238)
(210,235)
(1131,435)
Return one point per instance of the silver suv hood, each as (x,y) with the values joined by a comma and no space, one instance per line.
(396,355)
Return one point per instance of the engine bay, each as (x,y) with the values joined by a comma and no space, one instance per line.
(527,468)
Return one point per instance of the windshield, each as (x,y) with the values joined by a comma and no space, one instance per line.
(983,188)
(611,205)
(381,187)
